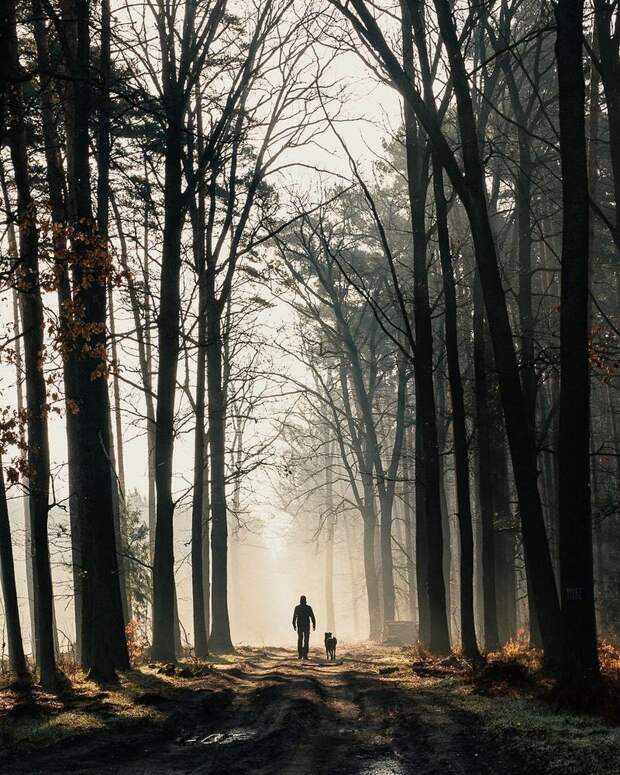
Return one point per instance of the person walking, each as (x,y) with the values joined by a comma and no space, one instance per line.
(302,616)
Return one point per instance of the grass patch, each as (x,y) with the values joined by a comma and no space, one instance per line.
(549,740)
(33,719)
(565,742)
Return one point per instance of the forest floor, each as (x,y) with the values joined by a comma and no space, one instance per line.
(375,711)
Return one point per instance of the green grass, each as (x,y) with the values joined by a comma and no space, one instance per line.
(552,741)
(81,711)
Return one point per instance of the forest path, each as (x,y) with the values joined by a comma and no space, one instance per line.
(365,714)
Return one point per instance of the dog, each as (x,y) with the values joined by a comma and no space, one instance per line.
(330,645)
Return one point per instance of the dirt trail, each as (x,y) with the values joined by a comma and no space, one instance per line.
(270,713)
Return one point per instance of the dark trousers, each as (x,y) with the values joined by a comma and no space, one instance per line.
(303,641)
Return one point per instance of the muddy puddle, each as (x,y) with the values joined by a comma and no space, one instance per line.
(236,735)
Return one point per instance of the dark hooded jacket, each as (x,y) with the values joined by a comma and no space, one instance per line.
(303,615)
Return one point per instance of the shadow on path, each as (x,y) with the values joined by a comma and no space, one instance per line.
(272,714)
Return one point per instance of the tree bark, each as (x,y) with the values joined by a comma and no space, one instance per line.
(17,660)
(56,187)
(330,518)
(353,558)
(485,484)
(579,652)
(366,503)
(21,409)
(459,429)
(206,540)
(31,306)
(608,50)
(442,436)
(141,313)
(426,418)
(370,572)
(118,471)
(409,518)
(521,438)
(168,350)
(220,640)
(103,635)
(199,515)
(421,542)
(504,530)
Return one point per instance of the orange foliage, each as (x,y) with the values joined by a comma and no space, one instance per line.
(137,645)
(609,657)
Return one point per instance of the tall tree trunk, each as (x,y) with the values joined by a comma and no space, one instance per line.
(594,122)
(523,203)
(330,518)
(579,653)
(608,50)
(36,396)
(426,418)
(220,639)
(470,187)
(17,660)
(199,515)
(146,368)
(104,144)
(370,573)
(374,464)
(388,597)
(386,488)
(56,187)
(168,351)
(21,409)
(353,556)
(485,486)
(459,429)
(504,538)
(141,313)
(206,539)
(409,518)
(442,437)
(365,501)
(104,646)
(421,542)
(118,470)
